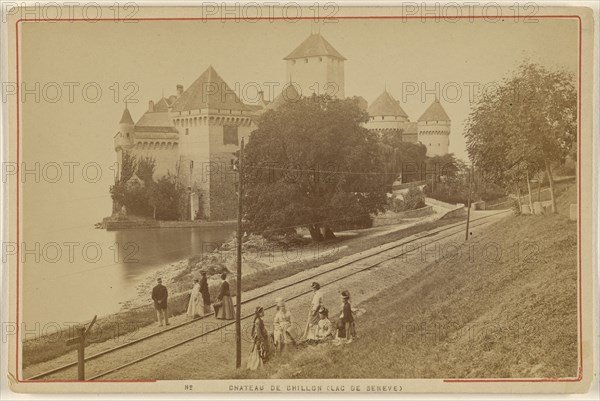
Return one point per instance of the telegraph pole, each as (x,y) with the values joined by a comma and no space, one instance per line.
(469,203)
(238,282)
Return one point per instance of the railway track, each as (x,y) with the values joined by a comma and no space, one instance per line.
(184,333)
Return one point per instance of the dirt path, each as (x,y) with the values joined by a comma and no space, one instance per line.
(213,355)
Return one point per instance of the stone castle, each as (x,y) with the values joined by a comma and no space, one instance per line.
(195,133)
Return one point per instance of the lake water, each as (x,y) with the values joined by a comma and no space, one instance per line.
(75,273)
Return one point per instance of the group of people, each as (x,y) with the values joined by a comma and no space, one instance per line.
(199,304)
(200,300)
(318,327)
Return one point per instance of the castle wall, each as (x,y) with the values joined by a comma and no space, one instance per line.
(164,152)
(321,75)
(386,122)
(435,135)
(223,146)
(193,157)
(210,139)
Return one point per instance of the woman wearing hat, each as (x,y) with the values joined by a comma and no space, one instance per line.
(205,293)
(313,314)
(324,327)
(225,311)
(260,347)
(346,329)
(194,306)
(282,324)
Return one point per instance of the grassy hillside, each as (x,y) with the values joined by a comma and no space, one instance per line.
(467,318)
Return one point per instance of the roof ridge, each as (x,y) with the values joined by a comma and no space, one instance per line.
(314,45)
(197,96)
(435,112)
(386,105)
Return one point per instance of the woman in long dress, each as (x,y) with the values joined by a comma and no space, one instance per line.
(205,294)
(260,345)
(313,315)
(282,325)
(346,328)
(225,311)
(194,305)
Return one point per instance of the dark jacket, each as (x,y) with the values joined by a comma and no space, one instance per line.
(160,295)
(347,313)
(204,291)
(224,290)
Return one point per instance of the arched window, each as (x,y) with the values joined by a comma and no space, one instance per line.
(187,131)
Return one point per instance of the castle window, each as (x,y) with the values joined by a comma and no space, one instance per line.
(230,135)
(306,60)
(187,131)
(320,59)
(382,117)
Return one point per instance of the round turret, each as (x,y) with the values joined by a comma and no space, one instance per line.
(434,130)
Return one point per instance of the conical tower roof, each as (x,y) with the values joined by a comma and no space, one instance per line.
(289,93)
(386,105)
(126,117)
(435,112)
(208,91)
(314,45)
(162,105)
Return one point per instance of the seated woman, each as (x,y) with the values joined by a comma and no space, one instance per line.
(324,327)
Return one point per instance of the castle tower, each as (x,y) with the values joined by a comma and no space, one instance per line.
(211,121)
(316,67)
(126,124)
(434,129)
(123,139)
(385,113)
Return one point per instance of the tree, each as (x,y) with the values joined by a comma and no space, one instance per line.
(126,171)
(145,168)
(401,158)
(528,125)
(165,196)
(311,163)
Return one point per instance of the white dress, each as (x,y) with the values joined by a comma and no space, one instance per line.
(195,306)
(313,317)
(281,324)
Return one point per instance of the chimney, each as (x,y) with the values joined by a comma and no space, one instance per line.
(151,106)
(179,89)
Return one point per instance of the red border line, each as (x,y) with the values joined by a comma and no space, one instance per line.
(390,17)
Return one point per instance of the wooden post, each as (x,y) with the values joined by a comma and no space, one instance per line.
(469,204)
(238,304)
(80,340)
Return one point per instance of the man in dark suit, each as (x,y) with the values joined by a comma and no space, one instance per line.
(160,295)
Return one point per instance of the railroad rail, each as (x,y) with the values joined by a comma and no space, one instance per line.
(259,296)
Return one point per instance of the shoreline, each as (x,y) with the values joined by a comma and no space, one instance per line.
(118,223)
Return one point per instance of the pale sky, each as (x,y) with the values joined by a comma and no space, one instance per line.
(157,55)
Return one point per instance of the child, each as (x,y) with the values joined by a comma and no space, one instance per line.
(324,327)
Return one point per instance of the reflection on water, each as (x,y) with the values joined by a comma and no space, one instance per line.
(72,276)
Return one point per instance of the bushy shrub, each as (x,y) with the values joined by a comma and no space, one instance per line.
(414,199)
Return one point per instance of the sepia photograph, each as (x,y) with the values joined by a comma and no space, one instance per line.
(301,199)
